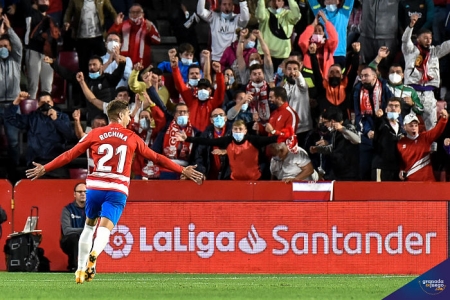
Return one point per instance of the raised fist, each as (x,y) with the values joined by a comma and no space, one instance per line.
(48,60)
(80,77)
(172,52)
(119,19)
(216,67)
(356,47)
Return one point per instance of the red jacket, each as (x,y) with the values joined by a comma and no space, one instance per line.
(199,111)
(131,45)
(328,48)
(283,117)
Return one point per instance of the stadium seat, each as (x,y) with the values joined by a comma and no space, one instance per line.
(78,173)
(28,106)
(61,89)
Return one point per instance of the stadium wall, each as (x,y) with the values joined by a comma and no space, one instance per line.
(253,227)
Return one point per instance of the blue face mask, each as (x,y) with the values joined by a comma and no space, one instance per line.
(186,61)
(203,95)
(280,72)
(144,123)
(230,80)
(250,44)
(182,120)
(226,16)
(392,115)
(193,82)
(4,52)
(94,75)
(238,136)
(244,106)
(279,10)
(219,122)
(331,7)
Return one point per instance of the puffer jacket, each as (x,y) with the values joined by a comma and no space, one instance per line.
(380,19)
(10,69)
(410,52)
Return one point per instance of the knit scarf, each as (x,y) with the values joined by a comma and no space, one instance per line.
(139,39)
(260,102)
(174,149)
(421,63)
(364,99)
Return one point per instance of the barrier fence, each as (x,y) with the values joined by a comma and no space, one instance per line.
(254,227)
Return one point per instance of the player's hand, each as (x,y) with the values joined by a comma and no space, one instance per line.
(379,113)
(76,115)
(181,136)
(119,18)
(312,48)
(356,47)
(193,174)
(36,172)
(216,67)
(219,152)
(447,142)
(80,77)
(414,18)
(48,60)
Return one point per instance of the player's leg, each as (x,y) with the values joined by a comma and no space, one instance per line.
(110,214)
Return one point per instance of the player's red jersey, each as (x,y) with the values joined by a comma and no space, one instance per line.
(111,148)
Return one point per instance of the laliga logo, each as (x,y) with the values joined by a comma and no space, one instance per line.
(252,244)
(432,287)
(122,248)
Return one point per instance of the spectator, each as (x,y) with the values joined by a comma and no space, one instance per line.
(343,149)
(55,11)
(439,21)
(48,131)
(200,103)
(73,218)
(213,161)
(276,25)
(425,10)
(414,148)
(231,86)
(223,24)
(387,132)
(289,166)
(354,24)
(338,16)
(183,23)
(114,44)
(87,19)
(41,40)
(422,68)
(101,84)
(369,95)
(243,150)
(10,66)
(259,89)
(239,109)
(314,33)
(137,33)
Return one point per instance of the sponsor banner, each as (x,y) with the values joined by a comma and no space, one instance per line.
(6,192)
(312,191)
(243,237)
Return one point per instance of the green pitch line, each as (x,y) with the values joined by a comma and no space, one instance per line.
(197,286)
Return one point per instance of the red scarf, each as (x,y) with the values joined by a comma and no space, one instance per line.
(174,149)
(421,63)
(260,102)
(364,100)
(139,39)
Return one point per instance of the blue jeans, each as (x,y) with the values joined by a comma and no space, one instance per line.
(12,136)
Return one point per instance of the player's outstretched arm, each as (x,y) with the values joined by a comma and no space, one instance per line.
(36,172)
(192,174)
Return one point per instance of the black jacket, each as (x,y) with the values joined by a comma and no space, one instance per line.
(380,19)
(385,145)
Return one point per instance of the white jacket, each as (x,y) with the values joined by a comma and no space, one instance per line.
(298,99)
(410,52)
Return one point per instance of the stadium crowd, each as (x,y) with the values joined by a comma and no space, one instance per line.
(362,85)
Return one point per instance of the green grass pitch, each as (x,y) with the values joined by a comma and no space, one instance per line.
(121,286)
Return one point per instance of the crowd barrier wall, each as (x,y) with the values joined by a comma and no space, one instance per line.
(6,194)
(255,227)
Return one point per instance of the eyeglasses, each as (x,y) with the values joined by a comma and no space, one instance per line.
(81,192)
(218,115)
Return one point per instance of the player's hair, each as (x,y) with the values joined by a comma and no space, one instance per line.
(114,108)
(186,47)
(97,57)
(239,123)
(77,184)
(279,91)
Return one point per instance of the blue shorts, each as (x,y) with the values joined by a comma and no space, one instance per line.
(107,204)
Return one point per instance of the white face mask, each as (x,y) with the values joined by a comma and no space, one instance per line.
(112,45)
(253,62)
(203,95)
(395,78)
(186,61)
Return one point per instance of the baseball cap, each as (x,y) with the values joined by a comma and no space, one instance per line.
(204,82)
(409,118)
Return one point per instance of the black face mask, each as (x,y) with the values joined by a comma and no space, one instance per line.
(290,80)
(42,8)
(44,108)
(334,81)
(323,129)
(367,86)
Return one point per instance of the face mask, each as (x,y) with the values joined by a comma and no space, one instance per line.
(317,38)
(395,78)
(112,45)
(323,128)
(203,95)
(334,81)
(290,80)
(219,122)
(144,123)
(182,120)
(230,80)
(253,62)
(392,115)
(94,75)
(244,106)
(4,52)
(193,82)
(330,129)
(186,61)
(331,7)
(42,8)
(280,72)
(367,86)
(226,16)
(136,20)
(238,136)
(279,10)
(250,44)
(257,85)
